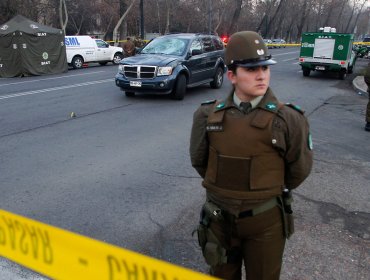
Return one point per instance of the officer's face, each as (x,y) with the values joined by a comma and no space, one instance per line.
(250,82)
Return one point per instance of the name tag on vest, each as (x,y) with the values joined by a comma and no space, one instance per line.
(214,127)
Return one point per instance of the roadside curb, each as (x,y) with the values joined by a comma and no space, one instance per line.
(359,85)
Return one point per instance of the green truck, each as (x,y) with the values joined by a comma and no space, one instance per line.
(327,51)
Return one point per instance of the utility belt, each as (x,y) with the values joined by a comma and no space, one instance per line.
(216,253)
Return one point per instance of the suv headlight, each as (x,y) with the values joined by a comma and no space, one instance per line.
(164,71)
(120,68)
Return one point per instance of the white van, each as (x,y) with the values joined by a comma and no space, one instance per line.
(83,49)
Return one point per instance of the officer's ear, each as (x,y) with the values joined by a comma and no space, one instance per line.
(231,75)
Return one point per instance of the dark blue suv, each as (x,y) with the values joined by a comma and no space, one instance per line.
(172,63)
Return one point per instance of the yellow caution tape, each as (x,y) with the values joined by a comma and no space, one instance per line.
(61,254)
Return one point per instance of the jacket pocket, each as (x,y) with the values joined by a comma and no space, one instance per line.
(266,172)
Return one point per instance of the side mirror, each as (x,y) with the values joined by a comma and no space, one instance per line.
(196,52)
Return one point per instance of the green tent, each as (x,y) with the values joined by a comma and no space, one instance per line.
(29,48)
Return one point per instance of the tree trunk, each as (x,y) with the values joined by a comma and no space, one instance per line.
(350,18)
(235,17)
(264,20)
(159,18)
(220,20)
(281,4)
(115,31)
(339,18)
(303,19)
(167,30)
(63,8)
(358,15)
(331,8)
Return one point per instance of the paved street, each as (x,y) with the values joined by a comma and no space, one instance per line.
(120,172)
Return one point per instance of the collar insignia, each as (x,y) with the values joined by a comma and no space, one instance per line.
(220,106)
(270,106)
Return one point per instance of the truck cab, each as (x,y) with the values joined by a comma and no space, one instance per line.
(327,51)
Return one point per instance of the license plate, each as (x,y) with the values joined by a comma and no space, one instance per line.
(135,84)
(320,67)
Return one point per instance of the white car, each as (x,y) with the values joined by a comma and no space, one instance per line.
(268,43)
(278,43)
(83,49)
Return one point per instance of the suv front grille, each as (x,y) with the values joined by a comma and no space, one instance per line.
(139,71)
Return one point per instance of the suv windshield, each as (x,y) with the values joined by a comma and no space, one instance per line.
(170,46)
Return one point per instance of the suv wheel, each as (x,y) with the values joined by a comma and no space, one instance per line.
(179,90)
(306,72)
(218,78)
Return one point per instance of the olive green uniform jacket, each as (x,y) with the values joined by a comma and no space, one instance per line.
(290,128)
(367,81)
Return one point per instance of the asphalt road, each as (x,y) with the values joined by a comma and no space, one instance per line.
(120,172)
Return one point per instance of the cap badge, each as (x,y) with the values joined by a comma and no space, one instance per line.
(260,52)
(257,41)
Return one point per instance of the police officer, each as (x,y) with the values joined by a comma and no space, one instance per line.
(129,47)
(248,148)
(367,81)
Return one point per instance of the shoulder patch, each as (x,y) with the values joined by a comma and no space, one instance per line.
(208,102)
(295,107)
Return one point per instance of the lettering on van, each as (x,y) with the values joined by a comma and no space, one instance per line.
(325,37)
(307,45)
(71,41)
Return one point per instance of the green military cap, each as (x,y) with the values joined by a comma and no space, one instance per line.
(247,49)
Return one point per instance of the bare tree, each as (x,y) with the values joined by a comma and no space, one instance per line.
(115,31)
(235,17)
(63,8)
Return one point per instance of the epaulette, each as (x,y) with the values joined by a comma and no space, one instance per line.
(295,107)
(208,102)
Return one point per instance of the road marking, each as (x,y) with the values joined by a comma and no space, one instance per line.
(284,53)
(289,59)
(54,78)
(55,88)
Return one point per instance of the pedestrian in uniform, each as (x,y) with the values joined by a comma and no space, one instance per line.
(129,47)
(367,81)
(248,148)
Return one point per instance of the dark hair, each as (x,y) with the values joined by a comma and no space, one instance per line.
(232,68)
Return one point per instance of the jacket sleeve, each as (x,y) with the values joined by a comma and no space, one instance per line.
(199,141)
(367,77)
(297,153)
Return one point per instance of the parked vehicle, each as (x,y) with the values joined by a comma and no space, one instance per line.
(268,43)
(278,43)
(83,49)
(172,63)
(361,50)
(327,51)
(366,40)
